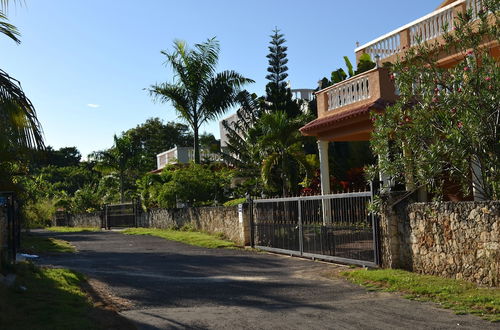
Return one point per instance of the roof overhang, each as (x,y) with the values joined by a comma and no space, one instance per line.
(321,125)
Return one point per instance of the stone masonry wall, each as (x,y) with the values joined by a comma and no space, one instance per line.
(84,220)
(215,220)
(452,239)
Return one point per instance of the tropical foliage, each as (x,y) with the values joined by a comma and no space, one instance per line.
(199,94)
(278,94)
(445,126)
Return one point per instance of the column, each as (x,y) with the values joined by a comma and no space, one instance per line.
(477,180)
(324,168)
(385,181)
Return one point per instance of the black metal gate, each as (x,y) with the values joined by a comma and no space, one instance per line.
(62,218)
(11,226)
(121,215)
(335,227)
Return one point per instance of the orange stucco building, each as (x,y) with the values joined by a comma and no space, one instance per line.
(344,108)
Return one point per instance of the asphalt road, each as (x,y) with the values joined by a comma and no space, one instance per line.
(161,284)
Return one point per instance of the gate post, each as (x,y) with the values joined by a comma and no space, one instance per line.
(375,228)
(252,226)
(106,220)
(301,232)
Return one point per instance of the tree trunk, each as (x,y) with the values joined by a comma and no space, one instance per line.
(122,195)
(284,176)
(196,146)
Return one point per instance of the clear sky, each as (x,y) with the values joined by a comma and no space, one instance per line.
(85,63)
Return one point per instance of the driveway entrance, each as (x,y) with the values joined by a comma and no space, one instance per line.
(168,285)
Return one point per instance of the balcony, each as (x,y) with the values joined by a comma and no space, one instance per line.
(343,108)
(362,89)
(183,155)
(430,27)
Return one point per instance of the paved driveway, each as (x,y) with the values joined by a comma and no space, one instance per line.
(169,285)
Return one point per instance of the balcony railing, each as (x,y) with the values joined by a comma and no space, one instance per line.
(353,90)
(360,90)
(423,29)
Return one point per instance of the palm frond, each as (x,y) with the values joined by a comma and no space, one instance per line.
(19,126)
(8,29)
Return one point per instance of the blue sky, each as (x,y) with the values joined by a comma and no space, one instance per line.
(85,63)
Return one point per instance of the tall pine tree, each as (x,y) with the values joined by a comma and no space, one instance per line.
(278,96)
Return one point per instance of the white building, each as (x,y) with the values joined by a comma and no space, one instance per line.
(182,155)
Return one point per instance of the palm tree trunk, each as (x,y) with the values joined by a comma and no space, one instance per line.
(284,176)
(122,194)
(196,146)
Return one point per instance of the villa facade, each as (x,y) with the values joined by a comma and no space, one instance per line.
(344,108)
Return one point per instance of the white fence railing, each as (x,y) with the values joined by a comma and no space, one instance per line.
(423,29)
(432,27)
(351,91)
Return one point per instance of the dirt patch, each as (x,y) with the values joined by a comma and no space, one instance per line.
(106,306)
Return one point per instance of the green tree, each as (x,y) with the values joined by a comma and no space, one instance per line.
(199,94)
(282,153)
(118,160)
(447,119)
(194,184)
(153,137)
(278,95)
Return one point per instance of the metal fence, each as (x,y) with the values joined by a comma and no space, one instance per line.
(11,226)
(335,227)
(121,215)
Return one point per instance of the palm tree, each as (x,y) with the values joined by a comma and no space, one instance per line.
(241,150)
(117,160)
(281,149)
(19,126)
(199,94)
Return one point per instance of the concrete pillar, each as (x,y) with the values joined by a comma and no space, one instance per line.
(385,181)
(324,168)
(244,223)
(477,180)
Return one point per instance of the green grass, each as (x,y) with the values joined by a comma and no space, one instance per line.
(71,229)
(235,202)
(52,299)
(188,237)
(34,244)
(460,296)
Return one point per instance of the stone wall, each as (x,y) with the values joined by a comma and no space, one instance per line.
(228,221)
(215,220)
(451,239)
(82,220)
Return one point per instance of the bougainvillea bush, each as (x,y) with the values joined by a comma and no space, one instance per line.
(447,119)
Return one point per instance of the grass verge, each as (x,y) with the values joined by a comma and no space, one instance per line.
(71,229)
(45,297)
(460,296)
(188,237)
(53,298)
(34,244)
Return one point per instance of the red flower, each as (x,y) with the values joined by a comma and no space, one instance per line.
(391,76)
(407,119)
(460,125)
(459,89)
(466,68)
(435,99)
(470,52)
(453,111)
(487,78)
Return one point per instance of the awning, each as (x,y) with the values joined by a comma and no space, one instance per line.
(321,124)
